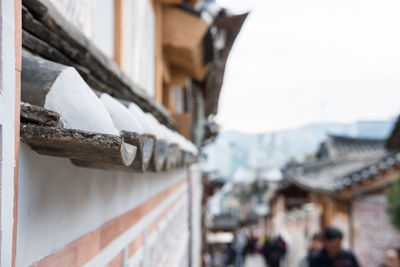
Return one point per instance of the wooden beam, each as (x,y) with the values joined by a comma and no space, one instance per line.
(171,2)
(328,211)
(184,122)
(119,32)
(183,35)
(168,98)
(375,183)
(179,78)
(18,69)
(166,72)
(192,2)
(158,11)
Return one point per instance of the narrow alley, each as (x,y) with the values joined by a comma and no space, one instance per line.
(200,133)
(254,261)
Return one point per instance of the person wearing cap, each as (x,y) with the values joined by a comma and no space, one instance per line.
(333,255)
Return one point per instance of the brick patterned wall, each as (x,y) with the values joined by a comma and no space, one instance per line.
(373,233)
(163,251)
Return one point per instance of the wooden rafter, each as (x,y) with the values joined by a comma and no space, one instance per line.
(183,35)
(119,32)
(159,63)
(383,179)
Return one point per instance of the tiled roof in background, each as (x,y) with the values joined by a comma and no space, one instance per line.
(342,162)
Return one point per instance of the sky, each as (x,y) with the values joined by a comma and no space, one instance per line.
(297,62)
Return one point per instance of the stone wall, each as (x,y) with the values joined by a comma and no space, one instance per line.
(373,234)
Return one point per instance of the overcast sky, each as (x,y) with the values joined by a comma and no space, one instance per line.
(305,61)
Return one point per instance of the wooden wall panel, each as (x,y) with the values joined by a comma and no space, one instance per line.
(168,98)
(118,32)
(184,122)
(171,2)
(158,11)
(179,78)
(183,41)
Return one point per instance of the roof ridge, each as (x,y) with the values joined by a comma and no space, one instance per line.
(347,137)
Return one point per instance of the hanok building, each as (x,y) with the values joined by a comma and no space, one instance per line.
(115,96)
(347,184)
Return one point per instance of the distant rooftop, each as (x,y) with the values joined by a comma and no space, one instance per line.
(341,162)
(344,147)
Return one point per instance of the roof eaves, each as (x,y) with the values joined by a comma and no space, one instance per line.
(231,24)
(369,172)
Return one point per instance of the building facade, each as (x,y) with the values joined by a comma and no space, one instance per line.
(346,187)
(110,100)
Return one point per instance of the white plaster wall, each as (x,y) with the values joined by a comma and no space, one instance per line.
(7,102)
(59,202)
(94,18)
(103,28)
(195,228)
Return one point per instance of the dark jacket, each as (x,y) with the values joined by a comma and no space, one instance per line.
(343,259)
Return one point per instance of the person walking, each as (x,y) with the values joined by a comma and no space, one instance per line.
(315,246)
(274,251)
(333,255)
(251,245)
(238,245)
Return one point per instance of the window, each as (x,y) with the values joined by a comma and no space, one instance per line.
(78,12)
(139,43)
(103,27)
(94,18)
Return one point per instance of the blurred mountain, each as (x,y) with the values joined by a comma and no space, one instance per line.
(233,151)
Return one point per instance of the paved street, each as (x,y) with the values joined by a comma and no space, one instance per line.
(254,261)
